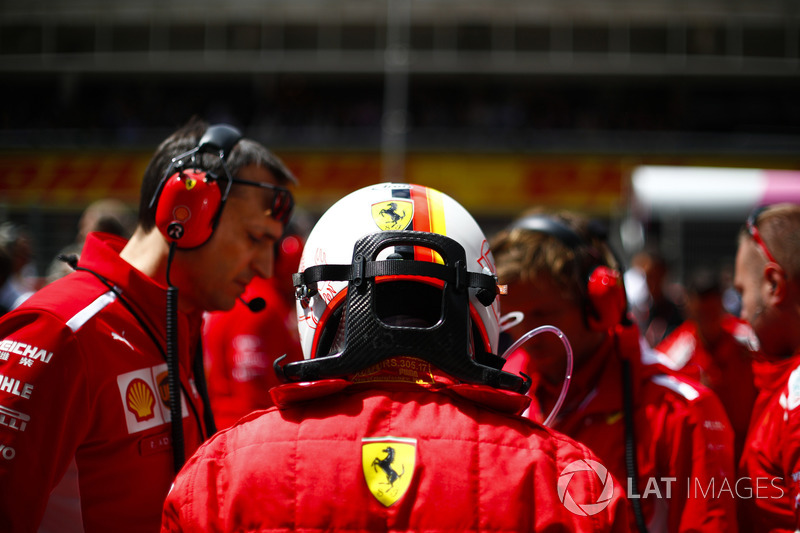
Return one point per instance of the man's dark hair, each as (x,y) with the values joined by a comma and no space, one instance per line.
(245,152)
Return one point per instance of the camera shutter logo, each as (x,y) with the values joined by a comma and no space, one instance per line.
(584,508)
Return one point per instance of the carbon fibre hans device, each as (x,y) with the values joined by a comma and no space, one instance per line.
(190,199)
(434,344)
(398,269)
(604,292)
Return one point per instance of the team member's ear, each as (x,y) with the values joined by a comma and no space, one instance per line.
(775,278)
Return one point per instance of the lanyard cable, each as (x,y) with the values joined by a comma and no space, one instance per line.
(72,261)
(630,444)
(173,370)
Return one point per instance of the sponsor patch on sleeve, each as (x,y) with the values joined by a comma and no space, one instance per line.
(793,393)
(145,398)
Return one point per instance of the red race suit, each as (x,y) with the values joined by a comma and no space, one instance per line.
(684,442)
(399,448)
(84,414)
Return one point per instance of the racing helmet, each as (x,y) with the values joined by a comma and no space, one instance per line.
(398,269)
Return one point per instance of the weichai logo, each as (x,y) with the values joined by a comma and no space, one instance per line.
(28,353)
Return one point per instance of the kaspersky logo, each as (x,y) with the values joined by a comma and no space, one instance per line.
(585,508)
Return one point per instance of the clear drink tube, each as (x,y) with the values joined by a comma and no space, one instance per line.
(568,376)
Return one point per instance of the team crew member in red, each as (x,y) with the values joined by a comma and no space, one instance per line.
(241,346)
(713,347)
(768,277)
(86,437)
(400,418)
(668,437)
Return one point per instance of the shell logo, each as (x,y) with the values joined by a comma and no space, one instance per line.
(140,400)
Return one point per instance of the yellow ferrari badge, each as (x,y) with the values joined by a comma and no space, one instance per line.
(393,215)
(190,183)
(388,466)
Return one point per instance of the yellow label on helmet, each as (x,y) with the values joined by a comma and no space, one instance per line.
(393,214)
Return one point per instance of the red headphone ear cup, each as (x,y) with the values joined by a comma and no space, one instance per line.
(187,208)
(606,294)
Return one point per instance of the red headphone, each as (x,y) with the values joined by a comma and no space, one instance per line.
(189,199)
(605,301)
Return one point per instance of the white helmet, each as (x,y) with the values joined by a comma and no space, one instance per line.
(429,262)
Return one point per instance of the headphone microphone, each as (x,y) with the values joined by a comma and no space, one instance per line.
(255,305)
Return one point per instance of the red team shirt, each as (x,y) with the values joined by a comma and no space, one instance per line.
(83,393)
(770,464)
(684,440)
(726,368)
(240,348)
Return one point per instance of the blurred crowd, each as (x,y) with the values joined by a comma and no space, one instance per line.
(443,112)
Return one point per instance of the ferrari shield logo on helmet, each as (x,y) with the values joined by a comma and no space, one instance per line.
(388,464)
(393,214)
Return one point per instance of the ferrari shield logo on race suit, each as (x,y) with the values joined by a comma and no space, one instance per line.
(393,215)
(388,464)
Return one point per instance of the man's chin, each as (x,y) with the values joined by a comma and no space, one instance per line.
(222,305)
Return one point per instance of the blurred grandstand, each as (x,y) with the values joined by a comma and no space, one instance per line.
(501,103)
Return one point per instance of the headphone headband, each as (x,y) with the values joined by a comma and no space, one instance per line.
(219,138)
(550,226)
(602,286)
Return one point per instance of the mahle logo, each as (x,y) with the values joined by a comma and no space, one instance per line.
(585,508)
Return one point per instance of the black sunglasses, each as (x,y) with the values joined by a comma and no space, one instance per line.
(282,200)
